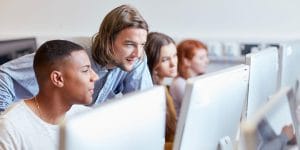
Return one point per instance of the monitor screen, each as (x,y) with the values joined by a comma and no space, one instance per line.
(134,121)
(289,60)
(13,48)
(211,101)
(274,125)
(263,78)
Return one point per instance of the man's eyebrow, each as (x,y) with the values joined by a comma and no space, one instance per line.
(129,41)
(85,66)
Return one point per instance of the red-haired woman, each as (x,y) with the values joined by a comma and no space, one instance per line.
(192,61)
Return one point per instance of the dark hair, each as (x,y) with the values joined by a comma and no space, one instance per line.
(187,50)
(155,41)
(118,19)
(48,56)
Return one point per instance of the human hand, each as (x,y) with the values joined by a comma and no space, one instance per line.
(288,130)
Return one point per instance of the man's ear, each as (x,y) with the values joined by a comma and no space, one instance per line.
(57,78)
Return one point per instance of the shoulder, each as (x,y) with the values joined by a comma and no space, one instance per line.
(20,70)
(6,127)
(9,132)
(16,115)
(14,110)
(141,63)
(178,81)
(19,62)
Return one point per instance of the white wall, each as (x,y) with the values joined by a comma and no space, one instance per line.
(203,19)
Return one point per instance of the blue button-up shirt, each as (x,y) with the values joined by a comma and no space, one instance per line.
(17,80)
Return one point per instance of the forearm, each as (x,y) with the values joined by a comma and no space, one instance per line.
(6,94)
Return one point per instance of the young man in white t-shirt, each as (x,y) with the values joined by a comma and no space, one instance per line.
(65,77)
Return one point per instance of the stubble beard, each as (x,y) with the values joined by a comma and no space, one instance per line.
(122,66)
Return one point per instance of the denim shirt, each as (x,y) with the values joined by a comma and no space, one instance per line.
(17,80)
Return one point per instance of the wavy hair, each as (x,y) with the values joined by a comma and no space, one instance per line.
(118,19)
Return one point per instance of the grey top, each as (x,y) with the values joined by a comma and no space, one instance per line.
(268,138)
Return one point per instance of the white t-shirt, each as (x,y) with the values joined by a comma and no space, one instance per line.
(22,129)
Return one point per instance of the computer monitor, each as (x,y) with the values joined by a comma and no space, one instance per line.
(263,129)
(13,48)
(289,60)
(294,101)
(135,121)
(263,78)
(212,108)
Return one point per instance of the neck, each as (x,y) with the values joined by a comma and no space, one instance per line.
(191,73)
(160,81)
(110,66)
(49,108)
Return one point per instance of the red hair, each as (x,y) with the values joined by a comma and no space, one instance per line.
(187,50)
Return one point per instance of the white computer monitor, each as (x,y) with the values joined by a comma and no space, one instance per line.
(294,101)
(289,60)
(135,121)
(212,108)
(262,130)
(263,78)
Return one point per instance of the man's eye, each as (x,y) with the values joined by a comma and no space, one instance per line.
(129,45)
(86,70)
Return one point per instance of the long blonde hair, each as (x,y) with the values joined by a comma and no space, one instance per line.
(118,19)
